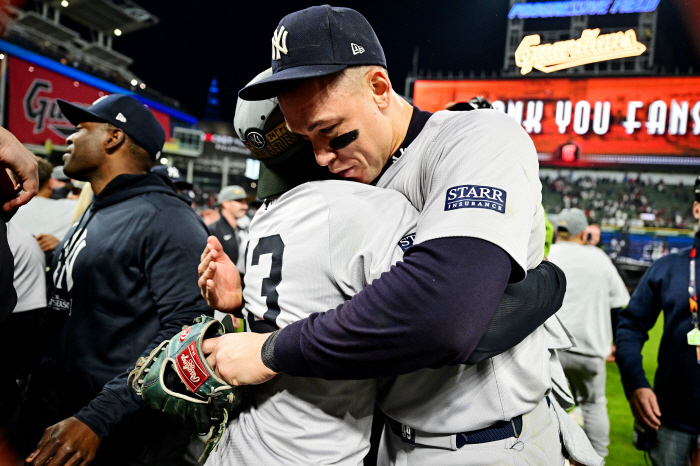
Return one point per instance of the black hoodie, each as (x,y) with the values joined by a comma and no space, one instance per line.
(127,274)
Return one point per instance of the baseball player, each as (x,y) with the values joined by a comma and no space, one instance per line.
(474,179)
(358,232)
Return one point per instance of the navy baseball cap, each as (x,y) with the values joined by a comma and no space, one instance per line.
(315,42)
(124,112)
(169,171)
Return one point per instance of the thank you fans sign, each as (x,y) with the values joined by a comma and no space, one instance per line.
(657,116)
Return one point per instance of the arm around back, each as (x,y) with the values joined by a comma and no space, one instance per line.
(428,311)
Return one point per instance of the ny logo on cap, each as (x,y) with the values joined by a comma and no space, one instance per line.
(173,172)
(121,118)
(277,37)
(356,49)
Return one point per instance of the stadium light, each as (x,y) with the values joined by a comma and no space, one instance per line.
(134,82)
(164,161)
(142,85)
(117,32)
(2,56)
(64,3)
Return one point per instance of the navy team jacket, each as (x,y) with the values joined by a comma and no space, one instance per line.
(127,274)
(677,383)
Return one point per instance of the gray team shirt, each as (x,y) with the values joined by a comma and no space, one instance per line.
(30,269)
(474,174)
(593,287)
(309,251)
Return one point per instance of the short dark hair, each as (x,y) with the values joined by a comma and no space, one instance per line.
(45,170)
(141,156)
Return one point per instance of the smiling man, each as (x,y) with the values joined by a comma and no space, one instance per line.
(124,280)
(473,176)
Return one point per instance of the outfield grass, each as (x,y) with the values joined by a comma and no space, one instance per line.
(621,451)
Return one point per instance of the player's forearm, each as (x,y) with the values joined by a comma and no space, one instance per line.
(117,398)
(523,308)
(429,311)
(629,341)
(108,408)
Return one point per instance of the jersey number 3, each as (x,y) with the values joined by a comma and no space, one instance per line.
(275,246)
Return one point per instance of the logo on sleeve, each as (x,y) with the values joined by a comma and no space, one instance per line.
(476,197)
(407,241)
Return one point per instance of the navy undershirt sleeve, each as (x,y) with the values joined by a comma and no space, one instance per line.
(524,307)
(430,310)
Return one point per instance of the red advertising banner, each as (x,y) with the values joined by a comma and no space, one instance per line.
(33,115)
(657,116)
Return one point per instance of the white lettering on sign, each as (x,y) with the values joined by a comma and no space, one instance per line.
(499,105)
(563,115)
(678,122)
(601,118)
(582,117)
(657,117)
(533,122)
(515,111)
(695,113)
(578,115)
(631,123)
(591,47)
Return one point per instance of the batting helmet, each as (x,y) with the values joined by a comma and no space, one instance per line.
(287,160)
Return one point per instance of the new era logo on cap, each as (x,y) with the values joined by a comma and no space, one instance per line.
(121,118)
(356,49)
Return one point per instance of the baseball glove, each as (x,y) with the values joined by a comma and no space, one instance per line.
(177,379)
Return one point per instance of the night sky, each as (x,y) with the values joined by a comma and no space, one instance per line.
(196,41)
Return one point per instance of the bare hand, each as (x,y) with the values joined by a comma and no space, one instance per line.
(47,242)
(18,158)
(219,280)
(236,358)
(611,357)
(645,407)
(68,442)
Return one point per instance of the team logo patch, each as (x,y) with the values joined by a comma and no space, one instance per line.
(190,367)
(256,139)
(183,335)
(407,241)
(279,43)
(476,197)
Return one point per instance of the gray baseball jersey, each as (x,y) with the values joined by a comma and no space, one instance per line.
(309,251)
(474,174)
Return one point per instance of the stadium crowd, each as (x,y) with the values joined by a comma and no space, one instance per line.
(617,203)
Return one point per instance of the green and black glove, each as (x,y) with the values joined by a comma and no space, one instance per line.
(177,380)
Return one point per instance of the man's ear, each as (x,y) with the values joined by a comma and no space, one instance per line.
(380,85)
(696,210)
(115,137)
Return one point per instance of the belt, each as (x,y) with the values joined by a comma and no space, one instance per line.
(499,431)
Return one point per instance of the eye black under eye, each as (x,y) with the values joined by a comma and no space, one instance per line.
(343,140)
